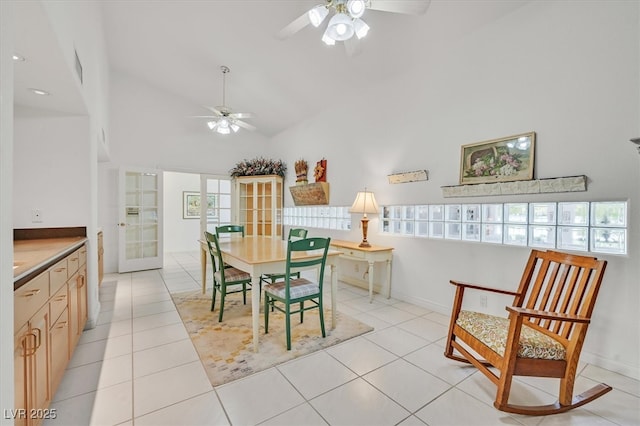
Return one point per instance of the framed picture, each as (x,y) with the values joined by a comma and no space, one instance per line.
(498,160)
(191,205)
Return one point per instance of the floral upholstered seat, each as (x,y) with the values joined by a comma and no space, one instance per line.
(492,331)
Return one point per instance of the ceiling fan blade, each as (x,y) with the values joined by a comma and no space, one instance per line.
(408,7)
(295,26)
(204,116)
(217,110)
(353,46)
(245,125)
(241,115)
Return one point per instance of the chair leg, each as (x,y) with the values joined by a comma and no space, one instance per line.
(266,313)
(244,293)
(213,298)
(288,325)
(565,396)
(502,394)
(301,312)
(322,318)
(223,293)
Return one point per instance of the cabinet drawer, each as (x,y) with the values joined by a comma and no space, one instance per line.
(74,261)
(29,298)
(83,255)
(355,254)
(58,276)
(58,303)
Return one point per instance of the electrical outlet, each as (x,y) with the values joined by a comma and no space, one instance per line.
(357,267)
(36,216)
(483,301)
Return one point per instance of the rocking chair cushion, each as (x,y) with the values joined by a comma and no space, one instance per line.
(492,331)
(299,287)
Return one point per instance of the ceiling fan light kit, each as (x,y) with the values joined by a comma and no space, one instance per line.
(345,22)
(346,19)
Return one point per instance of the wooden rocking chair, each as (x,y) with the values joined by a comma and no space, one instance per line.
(543,335)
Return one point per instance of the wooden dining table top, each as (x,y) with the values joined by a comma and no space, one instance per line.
(261,249)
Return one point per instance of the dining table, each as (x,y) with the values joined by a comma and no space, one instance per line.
(259,255)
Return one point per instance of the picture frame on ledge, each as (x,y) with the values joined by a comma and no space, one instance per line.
(498,160)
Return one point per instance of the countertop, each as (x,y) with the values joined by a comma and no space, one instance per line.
(29,256)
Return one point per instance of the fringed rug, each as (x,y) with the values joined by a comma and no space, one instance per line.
(226,348)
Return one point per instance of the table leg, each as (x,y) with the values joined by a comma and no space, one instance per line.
(255,309)
(388,278)
(370,272)
(203,265)
(334,292)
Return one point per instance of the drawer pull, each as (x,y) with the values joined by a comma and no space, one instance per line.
(32,293)
(61,298)
(60,270)
(62,324)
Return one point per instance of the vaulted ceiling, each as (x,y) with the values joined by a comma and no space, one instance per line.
(179,46)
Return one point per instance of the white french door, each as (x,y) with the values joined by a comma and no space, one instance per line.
(140,219)
(217,210)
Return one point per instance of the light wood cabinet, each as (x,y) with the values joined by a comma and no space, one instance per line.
(32,374)
(100,257)
(258,204)
(50,312)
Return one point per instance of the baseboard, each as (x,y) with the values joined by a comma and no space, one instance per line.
(611,365)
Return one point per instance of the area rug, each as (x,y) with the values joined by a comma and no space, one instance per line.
(226,348)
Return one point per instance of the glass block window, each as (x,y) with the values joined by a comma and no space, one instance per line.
(597,226)
(323,217)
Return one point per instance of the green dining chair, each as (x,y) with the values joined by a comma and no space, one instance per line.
(283,295)
(226,279)
(228,230)
(294,234)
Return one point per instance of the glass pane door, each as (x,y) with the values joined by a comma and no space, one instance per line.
(140,225)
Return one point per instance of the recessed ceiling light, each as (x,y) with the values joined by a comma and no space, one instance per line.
(18,58)
(40,92)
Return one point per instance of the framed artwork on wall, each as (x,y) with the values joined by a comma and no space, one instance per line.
(191,205)
(498,160)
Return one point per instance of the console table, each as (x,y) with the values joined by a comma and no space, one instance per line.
(351,250)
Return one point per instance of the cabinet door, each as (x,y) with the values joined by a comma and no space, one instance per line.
(59,336)
(258,202)
(74,315)
(39,326)
(20,365)
(101,257)
(82,299)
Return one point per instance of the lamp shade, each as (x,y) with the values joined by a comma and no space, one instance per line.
(365,203)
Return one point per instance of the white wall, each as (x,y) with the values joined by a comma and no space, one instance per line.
(179,234)
(51,155)
(153,129)
(567,70)
(6,220)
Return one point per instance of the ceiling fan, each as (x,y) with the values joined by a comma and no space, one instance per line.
(346,24)
(224,120)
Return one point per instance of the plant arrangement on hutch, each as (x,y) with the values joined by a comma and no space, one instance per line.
(259,166)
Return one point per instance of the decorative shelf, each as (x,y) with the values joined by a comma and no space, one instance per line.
(311,194)
(536,186)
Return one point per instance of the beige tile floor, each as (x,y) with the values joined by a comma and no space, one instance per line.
(138,366)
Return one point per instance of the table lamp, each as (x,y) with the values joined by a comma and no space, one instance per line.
(365,203)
